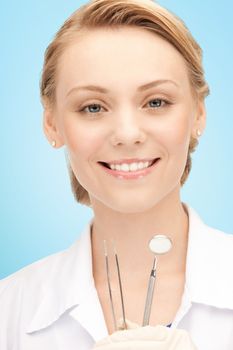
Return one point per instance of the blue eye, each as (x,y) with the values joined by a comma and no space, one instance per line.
(156,103)
(93,108)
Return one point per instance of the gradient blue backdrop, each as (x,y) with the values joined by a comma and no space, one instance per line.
(38,213)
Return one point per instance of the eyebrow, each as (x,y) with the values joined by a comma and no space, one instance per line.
(103,90)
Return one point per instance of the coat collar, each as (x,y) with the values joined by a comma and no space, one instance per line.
(72,287)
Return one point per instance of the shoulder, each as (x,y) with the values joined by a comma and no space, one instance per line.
(209,263)
(38,291)
(45,270)
(218,253)
(218,242)
(51,273)
(208,238)
(20,295)
(210,245)
(34,270)
(38,275)
(30,280)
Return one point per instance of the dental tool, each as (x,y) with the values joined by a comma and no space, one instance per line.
(159,244)
(120,286)
(110,288)
(109,285)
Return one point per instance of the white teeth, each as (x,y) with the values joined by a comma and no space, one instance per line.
(130,167)
(118,167)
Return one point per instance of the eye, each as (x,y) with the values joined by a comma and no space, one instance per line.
(156,103)
(93,108)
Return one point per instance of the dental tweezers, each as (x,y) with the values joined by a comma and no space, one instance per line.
(109,285)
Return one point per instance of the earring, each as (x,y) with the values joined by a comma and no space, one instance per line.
(53,143)
(198,132)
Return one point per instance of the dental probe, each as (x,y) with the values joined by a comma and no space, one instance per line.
(150,293)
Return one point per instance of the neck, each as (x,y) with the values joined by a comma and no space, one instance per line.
(132,232)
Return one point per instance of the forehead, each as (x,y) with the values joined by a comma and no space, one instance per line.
(120,56)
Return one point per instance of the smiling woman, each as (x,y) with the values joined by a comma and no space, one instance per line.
(127,102)
(123,89)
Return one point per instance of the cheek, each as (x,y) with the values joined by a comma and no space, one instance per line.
(176,133)
(178,139)
(82,141)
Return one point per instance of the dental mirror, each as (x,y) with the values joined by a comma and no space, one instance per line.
(160,244)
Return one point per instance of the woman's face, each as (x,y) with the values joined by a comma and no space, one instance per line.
(123,96)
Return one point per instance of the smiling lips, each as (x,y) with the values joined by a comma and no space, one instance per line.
(130,168)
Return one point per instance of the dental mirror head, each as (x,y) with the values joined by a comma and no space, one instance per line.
(160,244)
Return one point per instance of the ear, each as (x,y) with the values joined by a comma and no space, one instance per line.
(50,127)
(199,118)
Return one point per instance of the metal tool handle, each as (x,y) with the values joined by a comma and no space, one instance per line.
(149,298)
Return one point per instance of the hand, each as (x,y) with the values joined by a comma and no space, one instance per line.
(145,338)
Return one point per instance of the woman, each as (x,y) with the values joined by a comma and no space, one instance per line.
(123,89)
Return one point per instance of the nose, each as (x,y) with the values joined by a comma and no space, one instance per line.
(127,129)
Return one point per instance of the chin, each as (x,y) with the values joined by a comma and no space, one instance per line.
(131,205)
(135,201)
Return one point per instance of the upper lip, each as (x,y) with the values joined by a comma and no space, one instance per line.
(130,160)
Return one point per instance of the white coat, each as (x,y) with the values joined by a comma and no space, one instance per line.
(53,303)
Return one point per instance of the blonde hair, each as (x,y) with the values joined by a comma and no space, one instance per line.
(114,13)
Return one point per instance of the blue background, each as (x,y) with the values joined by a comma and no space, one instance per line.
(39,215)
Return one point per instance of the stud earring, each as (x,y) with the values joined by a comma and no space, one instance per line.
(53,143)
(198,132)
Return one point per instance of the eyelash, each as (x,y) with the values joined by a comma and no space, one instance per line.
(164,103)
